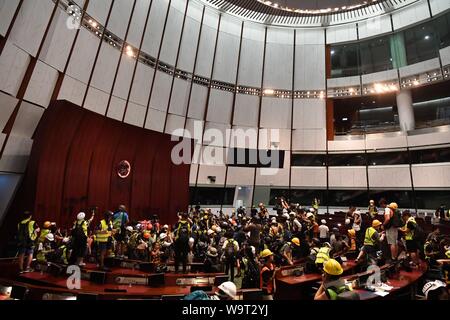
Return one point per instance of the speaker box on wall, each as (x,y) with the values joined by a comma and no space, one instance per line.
(98,277)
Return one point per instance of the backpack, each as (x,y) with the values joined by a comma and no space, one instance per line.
(396,219)
(230,250)
(78,232)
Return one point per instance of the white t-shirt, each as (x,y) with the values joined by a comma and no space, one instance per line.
(323,231)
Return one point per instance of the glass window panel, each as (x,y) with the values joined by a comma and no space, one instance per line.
(421,43)
(375,55)
(350,159)
(387,158)
(344,60)
(347,198)
(211,196)
(402,197)
(430,155)
(432,199)
(299,160)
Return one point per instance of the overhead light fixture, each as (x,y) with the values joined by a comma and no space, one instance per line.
(268,91)
(427,37)
(332,52)
(344,119)
(416,83)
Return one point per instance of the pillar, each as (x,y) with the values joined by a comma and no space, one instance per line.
(405,110)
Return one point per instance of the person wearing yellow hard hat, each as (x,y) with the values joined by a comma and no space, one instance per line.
(287,249)
(392,222)
(372,239)
(332,287)
(267,274)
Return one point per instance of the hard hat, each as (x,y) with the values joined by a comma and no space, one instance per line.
(218,229)
(393,205)
(138,226)
(432,285)
(274,219)
(296,241)
(347,221)
(371,201)
(149,226)
(50,237)
(326,244)
(65,240)
(323,221)
(191,241)
(214,228)
(47,224)
(351,232)
(212,252)
(309,215)
(376,223)
(130,228)
(332,267)
(286,215)
(163,235)
(229,288)
(285,211)
(266,253)
(165,226)
(210,232)
(81,216)
(292,213)
(146,235)
(312,210)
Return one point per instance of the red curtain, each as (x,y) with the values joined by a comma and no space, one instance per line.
(73,166)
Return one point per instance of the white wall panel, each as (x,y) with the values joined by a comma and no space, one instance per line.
(310,36)
(309,139)
(275,139)
(120,17)
(410,14)
(347,177)
(419,67)
(83,56)
(96,100)
(116,108)
(346,145)
(380,76)
(57,44)
(180,97)
(276,113)
(279,59)
(389,176)
(193,174)
(72,90)
(244,137)
(7,10)
(207,170)
(174,122)
(376,141)
(246,110)
(30,25)
(99,10)
(343,82)
(431,175)
(445,56)
(155,27)
(220,106)
(189,40)
(374,26)
(227,50)
(138,22)
(124,77)
(308,177)
(105,68)
(207,44)
(135,114)
(237,176)
(309,114)
(41,85)
(13,65)
(172,35)
(438,6)
(142,82)
(309,67)
(343,33)
(7,106)
(27,120)
(252,52)
(429,138)
(216,134)
(161,91)
(274,176)
(16,154)
(198,101)
(155,120)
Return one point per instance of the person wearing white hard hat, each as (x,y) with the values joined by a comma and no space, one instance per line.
(80,238)
(226,291)
(324,231)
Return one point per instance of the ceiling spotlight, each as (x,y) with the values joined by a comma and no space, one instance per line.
(427,37)
(332,52)
(344,119)
(269,91)
(416,83)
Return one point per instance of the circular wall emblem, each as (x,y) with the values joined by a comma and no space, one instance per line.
(124,169)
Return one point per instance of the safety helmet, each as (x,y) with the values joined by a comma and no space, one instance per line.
(165,226)
(296,241)
(326,244)
(130,228)
(163,235)
(372,201)
(229,288)
(209,232)
(393,205)
(309,215)
(347,221)
(214,228)
(212,252)
(146,235)
(266,253)
(149,226)
(432,285)
(286,215)
(47,224)
(351,232)
(376,223)
(191,241)
(332,267)
(218,229)
(50,237)
(65,240)
(292,213)
(285,211)
(81,216)
(323,221)
(312,210)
